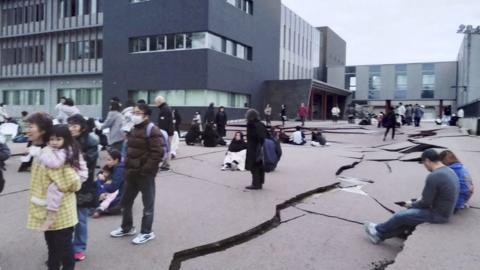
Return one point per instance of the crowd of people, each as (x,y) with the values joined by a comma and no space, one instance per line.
(67,189)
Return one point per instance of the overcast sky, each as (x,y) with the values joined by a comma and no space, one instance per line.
(393,31)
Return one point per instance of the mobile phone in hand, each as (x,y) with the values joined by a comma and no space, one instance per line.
(402,204)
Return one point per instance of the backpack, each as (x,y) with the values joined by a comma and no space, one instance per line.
(270,155)
(166,148)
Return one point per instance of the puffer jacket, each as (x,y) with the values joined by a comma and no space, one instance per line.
(87,196)
(144,153)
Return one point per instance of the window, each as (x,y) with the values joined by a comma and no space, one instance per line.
(24,97)
(244,5)
(31,12)
(73,8)
(374,82)
(428,81)
(138,1)
(192,97)
(401,82)
(200,40)
(87,49)
(26,55)
(82,96)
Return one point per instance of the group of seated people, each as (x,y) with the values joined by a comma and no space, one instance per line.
(298,137)
(209,137)
(237,152)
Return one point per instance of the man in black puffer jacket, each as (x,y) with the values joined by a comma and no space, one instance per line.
(256,134)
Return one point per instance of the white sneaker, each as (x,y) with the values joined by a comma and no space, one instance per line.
(143,238)
(120,233)
(372,232)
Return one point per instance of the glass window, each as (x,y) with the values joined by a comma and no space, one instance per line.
(24,97)
(82,96)
(241,53)
(139,44)
(179,41)
(195,98)
(230,47)
(214,42)
(170,42)
(160,43)
(197,40)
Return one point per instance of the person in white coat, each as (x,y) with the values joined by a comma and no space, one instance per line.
(335,113)
(3,113)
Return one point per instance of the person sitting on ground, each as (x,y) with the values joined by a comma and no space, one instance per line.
(465,180)
(110,185)
(318,138)
(298,137)
(436,205)
(272,151)
(236,154)
(283,137)
(210,136)
(21,137)
(194,134)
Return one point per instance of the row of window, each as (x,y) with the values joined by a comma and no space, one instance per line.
(24,14)
(30,97)
(193,97)
(292,71)
(185,41)
(245,5)
(26,55)
(36,97)
(87,49)
(73,8)
(82,96)
(301,44)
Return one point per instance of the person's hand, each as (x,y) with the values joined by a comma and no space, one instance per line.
(102,196)
(408,204)
(101,177)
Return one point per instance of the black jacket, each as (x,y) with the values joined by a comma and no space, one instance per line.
(221,119)
(389,120)
(165,119)
(256,134)
(209,115)
(210,136)
(87,195)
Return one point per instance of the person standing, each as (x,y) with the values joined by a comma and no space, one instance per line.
(302,113)
(256,134)
(351,114)
(335,113)
(177,120)
(436,205)
(417,114)
(408,115)
(221,121)
(389,122)
(401,111)
(165,123)
(268,115)
(145,151)
(283,114)
(59,235)
(447,115)
(114,122)
(87,196)
(210,114)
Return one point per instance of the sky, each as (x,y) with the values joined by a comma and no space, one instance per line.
(393,31)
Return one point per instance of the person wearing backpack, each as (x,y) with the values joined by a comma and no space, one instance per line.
(272,152)
(145,151)
(256,134)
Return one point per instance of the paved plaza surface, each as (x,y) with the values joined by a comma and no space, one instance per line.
(308,216)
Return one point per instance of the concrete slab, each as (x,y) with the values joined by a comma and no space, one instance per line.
(382,156)
(469,143)
(304,243)
(397,146)
(443,247)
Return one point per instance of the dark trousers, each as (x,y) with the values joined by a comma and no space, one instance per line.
(302,118)
(133,185)
(60,249)
(258,174)
(393,132)
(268,120)
(417,121)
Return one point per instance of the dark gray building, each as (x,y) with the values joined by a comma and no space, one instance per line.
(191,52)
(51,48)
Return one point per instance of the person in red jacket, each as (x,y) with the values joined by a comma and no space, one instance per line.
(302,113)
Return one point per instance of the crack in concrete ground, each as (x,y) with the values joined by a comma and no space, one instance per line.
(188,254)
(14,192)
(329,216)
(203,180)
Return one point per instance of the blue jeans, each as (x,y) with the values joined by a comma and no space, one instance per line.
(407,220)
(81,233)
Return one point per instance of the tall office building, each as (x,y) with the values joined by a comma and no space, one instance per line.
(48,49)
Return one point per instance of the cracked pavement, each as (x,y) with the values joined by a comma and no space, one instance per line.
(307,217)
